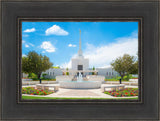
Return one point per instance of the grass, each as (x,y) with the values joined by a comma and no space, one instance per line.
(46,80)
(114,80)
(56,67)
(125,78)
(34,97)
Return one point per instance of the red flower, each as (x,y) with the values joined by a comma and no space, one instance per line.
(37,92)
(126,93)
(31,93)
(45,93)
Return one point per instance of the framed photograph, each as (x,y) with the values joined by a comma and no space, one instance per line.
(68,60)
(89,75)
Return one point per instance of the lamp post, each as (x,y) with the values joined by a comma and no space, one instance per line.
(120,81)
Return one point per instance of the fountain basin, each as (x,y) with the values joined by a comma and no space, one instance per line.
(80,84)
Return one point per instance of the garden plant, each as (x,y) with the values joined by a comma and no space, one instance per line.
(127,92)
(34,91)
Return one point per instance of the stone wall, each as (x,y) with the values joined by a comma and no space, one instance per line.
(52,72)
(64,78)
(95,78)
(133,80)
(107,72)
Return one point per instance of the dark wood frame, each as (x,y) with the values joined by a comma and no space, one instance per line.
(13,109)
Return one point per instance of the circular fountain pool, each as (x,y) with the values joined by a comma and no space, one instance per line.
(80,84)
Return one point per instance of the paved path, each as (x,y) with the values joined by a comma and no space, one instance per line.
(78,93)
(82,93)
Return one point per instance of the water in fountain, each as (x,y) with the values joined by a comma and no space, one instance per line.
(79,77)
(80,83)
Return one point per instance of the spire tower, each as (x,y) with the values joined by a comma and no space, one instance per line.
(80,49)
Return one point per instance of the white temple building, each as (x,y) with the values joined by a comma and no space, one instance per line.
(80,64)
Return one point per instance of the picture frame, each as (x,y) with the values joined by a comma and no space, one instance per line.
(122,19)
(13,108)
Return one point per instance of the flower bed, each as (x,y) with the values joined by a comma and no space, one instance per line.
(127,92)
(33,91)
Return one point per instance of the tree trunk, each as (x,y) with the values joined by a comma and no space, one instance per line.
(122,76)
(127,77)
(39,77)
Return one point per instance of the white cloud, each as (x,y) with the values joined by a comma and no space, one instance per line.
(56,30)
(24,55)
(71,45)
(31,44)
(26,45)
(25,35)
(102,56)
(66,65)
(69,63)
(47,46)
(23,41)
(30,30)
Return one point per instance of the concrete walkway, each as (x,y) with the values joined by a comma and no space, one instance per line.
(83,93)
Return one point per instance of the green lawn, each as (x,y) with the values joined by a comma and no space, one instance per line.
(115,80)
(45,80)
(34,97)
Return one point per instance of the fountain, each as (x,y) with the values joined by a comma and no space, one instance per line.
(80,83)
(79,77)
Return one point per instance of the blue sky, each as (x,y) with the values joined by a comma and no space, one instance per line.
(102,42)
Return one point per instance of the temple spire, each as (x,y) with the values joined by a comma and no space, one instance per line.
(80,49)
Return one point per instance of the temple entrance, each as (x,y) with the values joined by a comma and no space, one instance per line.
(80,67)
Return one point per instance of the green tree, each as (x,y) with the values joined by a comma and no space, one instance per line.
(124,65)
(134,69)
(32,75)
(67,73)
(93,70)
(35,63)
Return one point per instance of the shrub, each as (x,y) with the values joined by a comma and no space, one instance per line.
(67,73)
(43,75)
(34,91)
(125,78)
(35,79)
(123,93)
(32,75)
